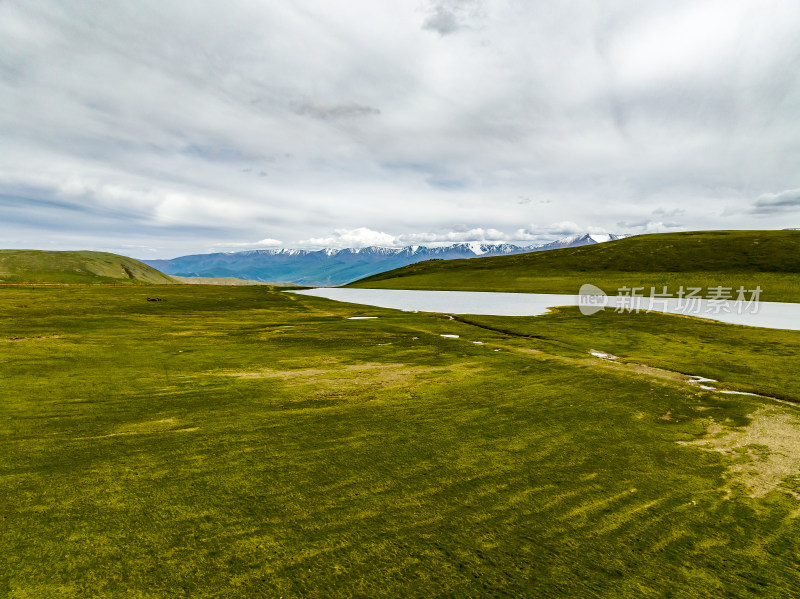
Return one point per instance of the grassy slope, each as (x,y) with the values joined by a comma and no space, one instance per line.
(236,442)
(36,266)
(770,259)
(745,358)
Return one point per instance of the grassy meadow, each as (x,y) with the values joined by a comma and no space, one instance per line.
(243,442)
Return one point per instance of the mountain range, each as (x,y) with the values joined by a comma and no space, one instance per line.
(339,266)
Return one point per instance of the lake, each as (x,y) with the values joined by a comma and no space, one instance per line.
(773,315)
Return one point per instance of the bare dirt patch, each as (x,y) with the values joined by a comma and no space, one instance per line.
(652,371)
(286,375)
(18,339)
(765,454)
(364,375)
(526,350)
(166,425)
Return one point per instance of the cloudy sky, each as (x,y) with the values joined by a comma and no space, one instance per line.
(158,128)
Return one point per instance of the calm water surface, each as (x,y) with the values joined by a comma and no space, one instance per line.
(773,315)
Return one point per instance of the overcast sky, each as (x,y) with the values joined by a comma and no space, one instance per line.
(158,128)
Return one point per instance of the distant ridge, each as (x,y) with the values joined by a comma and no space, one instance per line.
(39,266)
(726,254)
(228,281)
(333,266)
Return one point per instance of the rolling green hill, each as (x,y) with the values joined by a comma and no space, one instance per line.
(770,259)
(36,266)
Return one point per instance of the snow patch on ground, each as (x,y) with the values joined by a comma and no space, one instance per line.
(701,379)
(450,336)
(698,380)
(602,355)
(361,317)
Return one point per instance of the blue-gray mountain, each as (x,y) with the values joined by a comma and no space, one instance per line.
(340,266)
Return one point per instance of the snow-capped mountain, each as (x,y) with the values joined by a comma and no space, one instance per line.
(577,240)
(331,266)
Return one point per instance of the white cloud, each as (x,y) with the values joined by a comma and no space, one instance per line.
(268,242)
(173,127)
(559,229)
(450,16)
(476,234)
(648,226)
(784,201)
(264,243)
(663,212)
(354,238)
(363,236)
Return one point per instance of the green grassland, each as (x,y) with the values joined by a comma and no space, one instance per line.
(770,259)
(37,266)
(243,442)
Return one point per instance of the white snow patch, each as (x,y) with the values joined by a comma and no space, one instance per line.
(602,355)
(476,248)
(361,317)
(701,379)
(600,238)
(478,342)
(696,380)
(450,336)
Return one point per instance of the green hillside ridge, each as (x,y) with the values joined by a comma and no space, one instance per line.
(769,259)
(83,267)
